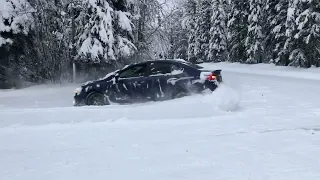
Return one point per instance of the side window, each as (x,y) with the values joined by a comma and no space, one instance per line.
(162,68)
(135,71)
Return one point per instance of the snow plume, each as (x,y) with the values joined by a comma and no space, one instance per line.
(224,98)
(228,95)
(104,34)
(227,98)
(15,17)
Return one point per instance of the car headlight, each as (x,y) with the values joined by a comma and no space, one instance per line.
(77,91)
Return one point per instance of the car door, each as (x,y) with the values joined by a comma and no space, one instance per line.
(131,83)
(162,76)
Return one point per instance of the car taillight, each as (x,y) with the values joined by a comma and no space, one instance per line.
(211,77)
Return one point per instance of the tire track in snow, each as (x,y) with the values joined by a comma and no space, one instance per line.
(314,128)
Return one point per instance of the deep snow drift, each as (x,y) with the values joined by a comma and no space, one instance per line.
(261,124)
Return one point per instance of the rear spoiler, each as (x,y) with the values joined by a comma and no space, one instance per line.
(217,72)
(218,75)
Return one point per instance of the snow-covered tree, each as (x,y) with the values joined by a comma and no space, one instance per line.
(291,47)
(45,58)
(254,41)
(15,17)
(218,32)
(150,35)
(189,23)
(16,22)
(103,37)
(307,34)
(269,14)
(275,28)
(149,19)
(202,32)
(238,30)
(178,36)
(39,39)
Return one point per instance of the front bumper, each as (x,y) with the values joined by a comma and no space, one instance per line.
(78,101)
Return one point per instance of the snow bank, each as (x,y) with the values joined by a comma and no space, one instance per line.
(266,69)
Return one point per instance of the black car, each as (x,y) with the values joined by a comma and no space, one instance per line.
(155,80)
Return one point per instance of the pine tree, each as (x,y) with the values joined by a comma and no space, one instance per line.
(15,18)
(254,41)
(276,31)
(189,23)
(102,38)
(270,12)
(291,46)
(16,22)
(238,30)
(178,36)
(149,35)
(308,33)
(218,32)
(123,28)
(202,32)
(50,41)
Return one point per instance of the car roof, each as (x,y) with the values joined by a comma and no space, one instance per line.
(173,61)
(182,62)
(166,60)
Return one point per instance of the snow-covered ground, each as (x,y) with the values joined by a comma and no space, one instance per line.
(263,123)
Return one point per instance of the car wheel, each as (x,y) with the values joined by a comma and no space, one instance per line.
(179,93)
(96,99)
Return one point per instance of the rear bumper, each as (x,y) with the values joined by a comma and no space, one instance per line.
(212,85)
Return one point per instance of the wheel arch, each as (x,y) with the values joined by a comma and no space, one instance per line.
(91,92)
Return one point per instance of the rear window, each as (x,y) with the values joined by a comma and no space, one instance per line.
(193,65)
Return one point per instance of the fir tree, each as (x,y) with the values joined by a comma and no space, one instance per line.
(149,35)
(276,33)
(178,36)
(254,41)
(238,30)
(103,38)
(15,18)
(291,47)
(202,33)
(189,23)
(218,32)
(16,23)
(308,33)
(270,12)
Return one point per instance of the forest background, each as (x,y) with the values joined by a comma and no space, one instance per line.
(40,41)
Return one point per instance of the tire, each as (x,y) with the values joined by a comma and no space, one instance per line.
(179,93)
(96,99)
